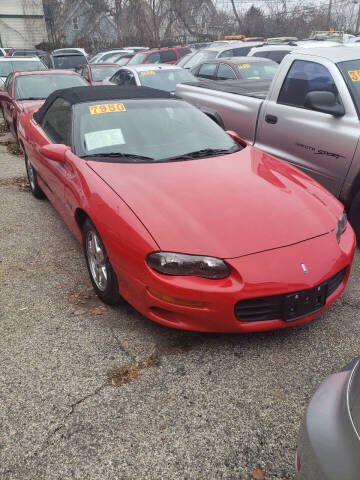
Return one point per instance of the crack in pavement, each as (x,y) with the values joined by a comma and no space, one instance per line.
(46,444)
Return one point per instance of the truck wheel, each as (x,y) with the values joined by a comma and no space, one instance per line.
(354,216)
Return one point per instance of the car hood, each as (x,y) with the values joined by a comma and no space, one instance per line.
(227,206)
(28,105)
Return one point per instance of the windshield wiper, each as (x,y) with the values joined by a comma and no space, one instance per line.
(205,152)
(128,156)
(31,98)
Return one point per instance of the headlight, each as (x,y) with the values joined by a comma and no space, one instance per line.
(341,226)
(170,263)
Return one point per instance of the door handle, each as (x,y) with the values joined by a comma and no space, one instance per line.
(271,119)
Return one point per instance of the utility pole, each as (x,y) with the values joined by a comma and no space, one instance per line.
(329,15)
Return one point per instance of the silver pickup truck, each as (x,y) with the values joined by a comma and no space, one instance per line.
(308,115)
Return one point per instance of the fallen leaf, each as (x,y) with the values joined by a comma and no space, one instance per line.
(125,343)
(97,310)
(58,287)
(18,224)
(258,474)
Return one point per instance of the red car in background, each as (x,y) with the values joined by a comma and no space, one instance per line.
(95,73)
(23,90)
(194,227)
(160,55)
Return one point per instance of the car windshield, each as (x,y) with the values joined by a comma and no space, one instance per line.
(40,86)
(122,61)
(99,73)
(201,56)
(257,70)
(138,58)
(7,67)
(182,61)
(95,58)
(351,73)
(165,79)
(146,130)
(69,61)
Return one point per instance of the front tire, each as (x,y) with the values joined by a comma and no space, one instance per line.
(100,270)
(32,179)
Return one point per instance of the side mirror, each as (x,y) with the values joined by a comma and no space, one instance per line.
(237,138)
(324,102)
(55,151)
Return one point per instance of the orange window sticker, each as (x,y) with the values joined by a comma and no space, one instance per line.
(244,65)
(107,108)
(148,72)
(354,75)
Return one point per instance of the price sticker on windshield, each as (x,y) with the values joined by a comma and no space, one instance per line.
(354,75)
(148,72)
(244,65)
(107,108)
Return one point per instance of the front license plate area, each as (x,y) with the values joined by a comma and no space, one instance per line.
(301,304)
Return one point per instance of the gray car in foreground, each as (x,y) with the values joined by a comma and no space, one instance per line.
(329,441)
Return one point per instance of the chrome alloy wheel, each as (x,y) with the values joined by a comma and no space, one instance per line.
(97,259)
(31,173)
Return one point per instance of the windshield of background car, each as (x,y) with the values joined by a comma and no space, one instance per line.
(8,67)
(154,128)
(257,71)
(351,73)
(69,61)
(40,86)
(122,61)
(201,56)
(138,58)
(95,58)
(165,79)
(99,73)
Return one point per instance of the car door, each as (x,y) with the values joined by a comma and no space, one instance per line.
(207,70)
(7,104)
(56,127)
(225,72)
(318,143)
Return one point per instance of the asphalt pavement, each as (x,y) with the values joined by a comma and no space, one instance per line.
(91,392)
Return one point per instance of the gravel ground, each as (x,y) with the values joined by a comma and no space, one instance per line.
(196,406)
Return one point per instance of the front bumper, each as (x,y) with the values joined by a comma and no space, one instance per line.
(274,272)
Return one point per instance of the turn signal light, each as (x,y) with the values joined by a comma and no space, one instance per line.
(175,300)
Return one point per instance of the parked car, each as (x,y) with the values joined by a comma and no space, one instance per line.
(329,439)
(279,51)
(140,167)
(233,49)
(94,74)
(10,64)
(162,77)
(236,68)
(104,57)
(68,61)
(24,90)
(273,52)
(122,61)
(45,57)
(253,39)
(308,116)
(160,55)
(70,50)
(182,61)
(115,57)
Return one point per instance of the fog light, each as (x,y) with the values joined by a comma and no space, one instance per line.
(175,300)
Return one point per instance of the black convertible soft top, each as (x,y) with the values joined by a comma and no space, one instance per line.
(76,95)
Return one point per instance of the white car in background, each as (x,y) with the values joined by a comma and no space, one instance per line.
(104,57)
(71,50)
(160,76)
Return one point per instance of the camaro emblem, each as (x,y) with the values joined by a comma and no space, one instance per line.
(303,266)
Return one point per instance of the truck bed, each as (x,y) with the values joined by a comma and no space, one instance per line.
(249,88)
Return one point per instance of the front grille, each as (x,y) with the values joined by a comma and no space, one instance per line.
(288,306)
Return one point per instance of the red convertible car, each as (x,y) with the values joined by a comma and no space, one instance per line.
(195,228)
(28,89)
